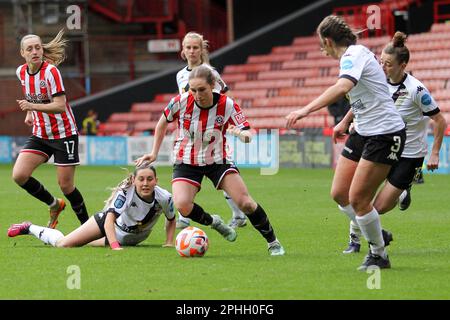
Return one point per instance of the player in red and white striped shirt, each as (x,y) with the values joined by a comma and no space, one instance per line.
(203,118)
(195,53)
(54,130)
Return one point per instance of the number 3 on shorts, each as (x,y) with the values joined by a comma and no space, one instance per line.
(397,143)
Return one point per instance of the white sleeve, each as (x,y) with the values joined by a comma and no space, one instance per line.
(118,203)
(351,66)
(168,208)
(425,101)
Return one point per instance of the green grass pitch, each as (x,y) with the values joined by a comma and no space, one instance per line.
(305,219)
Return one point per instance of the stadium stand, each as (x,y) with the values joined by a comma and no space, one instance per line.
(269,86)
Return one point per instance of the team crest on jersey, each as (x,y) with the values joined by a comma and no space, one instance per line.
(239,117)
(120,201)
(219,120)
(42,84)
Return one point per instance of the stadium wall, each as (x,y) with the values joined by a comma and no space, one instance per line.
(268,150)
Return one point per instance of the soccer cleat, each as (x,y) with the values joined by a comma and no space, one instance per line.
(374,260)
(276,249)
(387,237)
(419,178)
(238,222)
(353,247)
(226,231)
(19,229)
(54,214)
(181,224)
(406,202)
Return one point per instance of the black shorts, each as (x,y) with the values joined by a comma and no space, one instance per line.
(194,174)
(403,172)
(100,218)
(65,150)
(383,148)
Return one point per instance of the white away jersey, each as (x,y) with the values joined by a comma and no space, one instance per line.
(415,104)
(373,109)
(183,80)
(134,215)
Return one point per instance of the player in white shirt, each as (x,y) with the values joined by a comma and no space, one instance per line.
(377,141)
(416,106)
(126,220)
(195,52)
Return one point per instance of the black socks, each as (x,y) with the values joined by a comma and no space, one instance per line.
(261,223)
(200,216)
(37,190)
(77,203)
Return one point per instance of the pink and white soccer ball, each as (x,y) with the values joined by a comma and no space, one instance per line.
(191,242)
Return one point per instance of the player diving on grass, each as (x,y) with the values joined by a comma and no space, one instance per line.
(126,220)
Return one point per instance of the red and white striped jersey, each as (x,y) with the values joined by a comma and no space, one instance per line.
(40,88)
(200,139)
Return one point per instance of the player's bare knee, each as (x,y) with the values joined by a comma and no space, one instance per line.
(360,205)
(247,205)
(184,208)
(66,186)
(20,178)
(339,197)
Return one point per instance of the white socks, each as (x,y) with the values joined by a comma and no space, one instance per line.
(349,211)
(354,228)
(370,226)
(237,213)
(47,235)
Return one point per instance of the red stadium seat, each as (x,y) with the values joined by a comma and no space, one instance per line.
(113,128)
(148,106)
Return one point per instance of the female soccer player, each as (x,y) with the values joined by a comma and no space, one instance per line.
(54,130)
(126,220)
(195,52)
(203,117)
(378,139)
(416,106)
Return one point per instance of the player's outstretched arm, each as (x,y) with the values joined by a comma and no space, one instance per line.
(170,233)
(329,96)
(111,232)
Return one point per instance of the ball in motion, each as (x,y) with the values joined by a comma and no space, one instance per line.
(191,242)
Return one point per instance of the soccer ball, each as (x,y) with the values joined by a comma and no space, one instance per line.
(191,242)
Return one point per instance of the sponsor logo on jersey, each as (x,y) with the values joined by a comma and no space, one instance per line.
(239,117)
(346,65)
(357,105)
(120,201)
(426,99)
